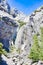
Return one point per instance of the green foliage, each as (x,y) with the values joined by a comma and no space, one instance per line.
(36,52)
(41,46)
(12,48)
(2,51)
(21,23)
(37,11)
(18,50)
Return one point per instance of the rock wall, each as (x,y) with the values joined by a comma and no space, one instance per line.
(24,38)
(8,30)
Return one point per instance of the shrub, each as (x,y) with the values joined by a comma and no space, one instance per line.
(2,51)
(18,50)
(37,11)
(21,23)
(36,52)
(12,48)
(41,46)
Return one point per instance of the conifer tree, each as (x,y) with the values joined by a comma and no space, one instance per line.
(36,52)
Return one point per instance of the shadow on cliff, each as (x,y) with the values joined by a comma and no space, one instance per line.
(3,62)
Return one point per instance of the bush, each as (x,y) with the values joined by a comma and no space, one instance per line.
(12,48)
(41,46)
(36,52)
(21,23)
(2,51)
(37,11)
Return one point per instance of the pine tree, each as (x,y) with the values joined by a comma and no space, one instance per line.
(36,52)
(41,46)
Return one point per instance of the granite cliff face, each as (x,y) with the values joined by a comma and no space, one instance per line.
(4,6)
(8,26)
(9,22)
(24,40)
(23,36)
(33,26)
(8,31)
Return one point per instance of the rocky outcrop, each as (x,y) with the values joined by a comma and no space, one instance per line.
(33,26)
(8,26)
(4,6)
(24,38)
(14,12)
(8,31)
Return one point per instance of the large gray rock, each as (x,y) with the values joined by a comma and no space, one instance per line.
(8,31)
